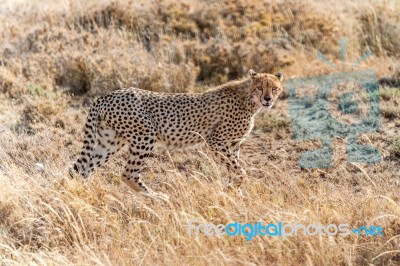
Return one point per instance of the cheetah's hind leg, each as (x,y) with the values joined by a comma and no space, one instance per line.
(140,149)
(107,143)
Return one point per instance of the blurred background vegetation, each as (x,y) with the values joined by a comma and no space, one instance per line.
(97,46)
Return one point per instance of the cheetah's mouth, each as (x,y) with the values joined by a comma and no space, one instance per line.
(267,104)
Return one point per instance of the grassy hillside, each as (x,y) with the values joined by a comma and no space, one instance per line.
(57,57)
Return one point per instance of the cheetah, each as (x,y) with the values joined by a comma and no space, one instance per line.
(222,117)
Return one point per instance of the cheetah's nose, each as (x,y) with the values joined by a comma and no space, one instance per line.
(267,98)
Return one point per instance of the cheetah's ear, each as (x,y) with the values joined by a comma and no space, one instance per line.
(252,73)
(279,75)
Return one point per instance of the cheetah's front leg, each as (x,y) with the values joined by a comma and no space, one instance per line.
(223,153)
(235,148)
(140,149)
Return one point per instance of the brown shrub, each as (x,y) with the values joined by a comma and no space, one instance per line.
(380,31)
(7,80)
(98,48)
(77,75)
(226,37)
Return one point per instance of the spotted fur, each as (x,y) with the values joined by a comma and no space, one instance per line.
(222,117)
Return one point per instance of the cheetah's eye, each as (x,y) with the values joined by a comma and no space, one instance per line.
(274,89)
(259,88)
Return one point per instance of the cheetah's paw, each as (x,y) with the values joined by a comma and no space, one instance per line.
(158,196)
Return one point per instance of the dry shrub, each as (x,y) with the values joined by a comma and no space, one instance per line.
(312,28)
(37,115)
(178,19)
(236,35)
(393,80)
(83,62)
(7,80)
(273,123)
(77,75)
(98,48)
(163,47)
(391,111)
(395,148)
(221,60)
(380,30)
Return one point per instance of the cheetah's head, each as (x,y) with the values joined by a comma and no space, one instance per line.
(265,87)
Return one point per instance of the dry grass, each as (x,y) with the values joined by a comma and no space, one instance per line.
(56,57)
